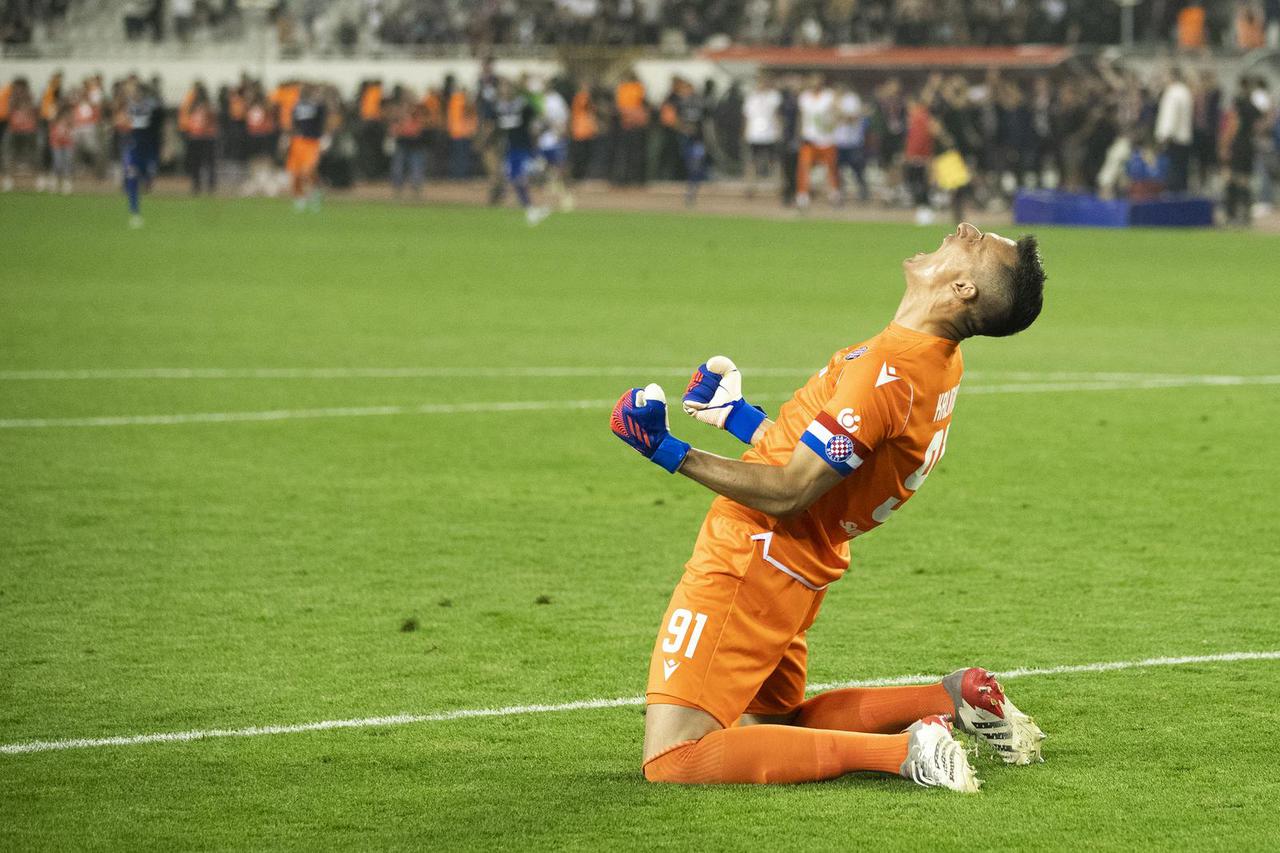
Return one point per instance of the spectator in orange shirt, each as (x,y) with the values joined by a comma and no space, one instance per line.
(460,124)
(372,130)
(262,141)
(5,91)
(285,98)
(408,130)
(1250,34)
(52,98)
(584,127)
(184,106)
(202,140)
(1191,35)
(633,120)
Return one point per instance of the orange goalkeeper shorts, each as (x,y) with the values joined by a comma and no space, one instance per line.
(733,637)
(304,156)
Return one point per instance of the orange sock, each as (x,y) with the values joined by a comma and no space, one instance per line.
(760,754)
(874,709)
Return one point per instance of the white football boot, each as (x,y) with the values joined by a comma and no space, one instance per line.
(984,711)
(937,760)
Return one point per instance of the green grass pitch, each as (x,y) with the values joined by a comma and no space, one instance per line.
(218,575)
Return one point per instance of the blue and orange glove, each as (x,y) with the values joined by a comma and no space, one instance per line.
(640,419)
(714,396)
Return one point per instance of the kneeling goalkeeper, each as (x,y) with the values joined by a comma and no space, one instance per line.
(726,691)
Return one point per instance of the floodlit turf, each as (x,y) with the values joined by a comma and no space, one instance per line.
(159,578)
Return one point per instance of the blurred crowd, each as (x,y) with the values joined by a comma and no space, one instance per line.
(353,25)
(683,24)
(924,142)
(693,23)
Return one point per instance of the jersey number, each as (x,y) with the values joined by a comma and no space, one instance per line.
(933,453)
(678,628)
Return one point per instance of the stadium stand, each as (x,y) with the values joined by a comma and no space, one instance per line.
(950,111)
(336,27)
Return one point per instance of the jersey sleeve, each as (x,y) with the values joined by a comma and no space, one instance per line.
(870,405)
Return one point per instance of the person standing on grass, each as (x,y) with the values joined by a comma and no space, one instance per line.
(50,104)
(1174,125)
(261,144)
(890,126)
(789,144)
(922,130)
(1264,142)
(726,689)
(668,164)
(489,137)
(62,151)
(437,103)
(86,130)
(630,166)
(6,92)
(371,131)
(308,138)
(21,151)
(514,116)
(139,151)
(1207,113)
(461,123)
(553,144)
(691,118)
(584,129)
(435,145)
(202,143)
(409,157)
(817,139)
(851,141)
(761,132)
(1239,151)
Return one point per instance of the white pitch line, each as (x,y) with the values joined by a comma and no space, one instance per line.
(553,405)
(585,705)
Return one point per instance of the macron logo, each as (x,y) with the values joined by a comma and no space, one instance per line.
(887,374)
(668,669)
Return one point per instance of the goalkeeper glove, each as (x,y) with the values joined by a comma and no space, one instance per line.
(714,396)
(640,419)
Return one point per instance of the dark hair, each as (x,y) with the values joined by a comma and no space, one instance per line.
(1025,288)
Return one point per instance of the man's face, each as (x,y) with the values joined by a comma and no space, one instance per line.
(967,254)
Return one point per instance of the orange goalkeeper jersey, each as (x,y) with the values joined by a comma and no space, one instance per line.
(878,413)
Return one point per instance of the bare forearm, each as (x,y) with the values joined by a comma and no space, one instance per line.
(761,487)
(760,431)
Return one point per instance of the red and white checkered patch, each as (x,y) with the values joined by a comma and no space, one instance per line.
(839,448)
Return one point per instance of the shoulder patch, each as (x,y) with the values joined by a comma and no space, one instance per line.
(859,351)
